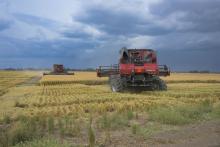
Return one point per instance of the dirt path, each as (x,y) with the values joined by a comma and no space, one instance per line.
(30,82)
(206,134)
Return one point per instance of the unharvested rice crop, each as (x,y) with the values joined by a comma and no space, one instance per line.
(193,78)
(11,78)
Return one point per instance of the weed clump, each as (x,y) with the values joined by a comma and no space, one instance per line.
(6,119)
(181,115)
(43,142)
(4,139)
(91,134)
(50,125)
(130,115)
(21,132)
(134,128)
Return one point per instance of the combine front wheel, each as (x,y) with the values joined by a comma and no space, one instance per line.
(116,83)
(159,84)
(162,85)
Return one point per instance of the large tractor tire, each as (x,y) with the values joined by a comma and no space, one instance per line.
(162,85)
(117,83)
(159,84)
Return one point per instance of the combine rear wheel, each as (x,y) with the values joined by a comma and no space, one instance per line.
(116,83)
(158,84)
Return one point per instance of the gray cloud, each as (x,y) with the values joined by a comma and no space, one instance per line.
(44,49)
(35,20)
(185,33)
(4,24)
(185,60)
(76,34)
(201,15)
(121,23)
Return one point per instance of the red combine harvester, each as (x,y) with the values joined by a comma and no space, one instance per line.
(136,68)
(58,69)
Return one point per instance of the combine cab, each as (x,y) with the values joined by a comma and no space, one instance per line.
(58,69)
(136,68)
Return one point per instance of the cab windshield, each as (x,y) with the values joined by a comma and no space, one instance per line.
(139,57)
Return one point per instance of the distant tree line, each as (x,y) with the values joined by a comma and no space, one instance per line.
(39,69)
(199,71)
(20,69)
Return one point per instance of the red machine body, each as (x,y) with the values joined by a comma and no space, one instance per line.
(146,62)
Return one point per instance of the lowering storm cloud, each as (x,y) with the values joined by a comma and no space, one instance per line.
(82,34)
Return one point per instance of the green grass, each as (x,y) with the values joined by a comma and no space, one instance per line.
(135,128)
(216,112)
(21,132)
(119,120)
(181,115)
(4,140)
(6,119)
(149,129)
(50,125)
(168,116)
(130,115)
(43,142)
(91,134)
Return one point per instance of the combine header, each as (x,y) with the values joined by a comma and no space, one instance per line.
(136,68)
(58,69)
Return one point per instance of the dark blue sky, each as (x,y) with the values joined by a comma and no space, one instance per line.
(80,34)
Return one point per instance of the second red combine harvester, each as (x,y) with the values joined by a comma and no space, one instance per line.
(136,68)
